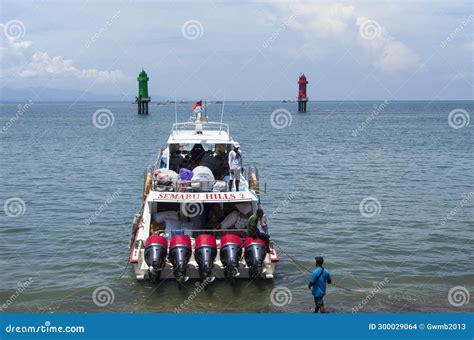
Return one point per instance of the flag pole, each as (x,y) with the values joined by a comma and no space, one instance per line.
(175,112)
(222,116)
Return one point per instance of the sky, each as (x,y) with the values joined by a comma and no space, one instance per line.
(242,50)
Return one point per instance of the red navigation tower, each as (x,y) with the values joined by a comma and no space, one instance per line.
(302,98)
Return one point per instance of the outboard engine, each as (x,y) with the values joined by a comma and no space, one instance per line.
(205,252)
(156,248)
(230,254)
(255,252)
(180,252)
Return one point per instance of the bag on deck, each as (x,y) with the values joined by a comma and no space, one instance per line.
(185,174)
(203,178)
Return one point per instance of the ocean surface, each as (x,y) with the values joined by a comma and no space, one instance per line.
(383,190)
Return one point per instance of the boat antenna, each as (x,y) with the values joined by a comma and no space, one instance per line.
(222,115)
(175,112)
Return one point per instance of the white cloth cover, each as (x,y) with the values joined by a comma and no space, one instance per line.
(161,216)
(220,186)
(244,208)
(204,175)
(230,220)
(165,175)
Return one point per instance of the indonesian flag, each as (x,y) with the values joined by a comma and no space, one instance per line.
(197,106)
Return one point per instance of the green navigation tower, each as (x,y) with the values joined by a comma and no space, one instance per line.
(142,99)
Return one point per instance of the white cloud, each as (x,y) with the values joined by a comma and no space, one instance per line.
(396,56)
(389,55)
(326,20)
(338,24)
(42,64)
(469,46)
(19,61)
(22,45)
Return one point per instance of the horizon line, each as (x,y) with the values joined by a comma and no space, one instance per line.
(236,100)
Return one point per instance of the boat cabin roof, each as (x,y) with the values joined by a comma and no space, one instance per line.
(200,133)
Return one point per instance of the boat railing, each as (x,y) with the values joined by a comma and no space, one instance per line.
(195,186)
(205,231)
(206,126)
(218,233)
(158,159)
(253,180)
(183,186)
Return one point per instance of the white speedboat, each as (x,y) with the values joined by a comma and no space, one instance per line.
(191,224)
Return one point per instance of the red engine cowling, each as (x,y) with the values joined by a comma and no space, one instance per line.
(255,252)
(205,252)
(230,254)
(156,239)
(156,249)
(180,240)
(180,252)
(231,239)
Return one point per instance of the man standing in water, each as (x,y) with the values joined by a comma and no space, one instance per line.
(235,167)
(318,284)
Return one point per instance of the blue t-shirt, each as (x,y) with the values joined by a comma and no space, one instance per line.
(319,286)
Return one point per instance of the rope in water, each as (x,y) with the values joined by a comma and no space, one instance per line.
(124,269)
(300,266)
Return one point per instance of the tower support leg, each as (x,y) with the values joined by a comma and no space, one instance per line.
(142,107)
(301,106)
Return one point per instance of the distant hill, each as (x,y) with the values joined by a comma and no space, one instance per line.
(45,94)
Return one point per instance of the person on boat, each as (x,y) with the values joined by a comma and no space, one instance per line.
(165,158)
(262,224)
(317,283)
(157,227)
(197,152)
(215,215)
(253,230)
(235,166)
